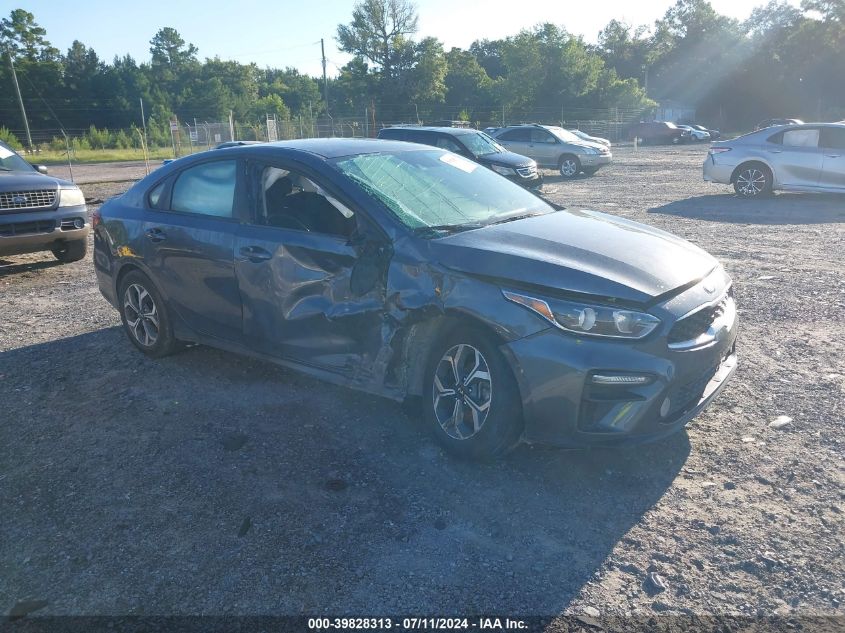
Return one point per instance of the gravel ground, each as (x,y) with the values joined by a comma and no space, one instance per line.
(215,484)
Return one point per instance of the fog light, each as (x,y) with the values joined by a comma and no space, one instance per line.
(621,379)
(664,408)
(78,223)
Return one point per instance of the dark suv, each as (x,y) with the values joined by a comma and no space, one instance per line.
(472,144)
(658,132)
(39,213)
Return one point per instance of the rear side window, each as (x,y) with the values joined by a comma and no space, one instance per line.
(801,138)
(155,195)
(523,135)
(207,189)
(833,137)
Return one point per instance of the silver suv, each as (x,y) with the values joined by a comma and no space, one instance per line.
(555,148)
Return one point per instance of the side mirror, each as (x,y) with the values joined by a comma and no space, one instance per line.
(41,169)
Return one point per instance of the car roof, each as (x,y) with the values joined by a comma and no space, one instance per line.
(333,147)
(454,131)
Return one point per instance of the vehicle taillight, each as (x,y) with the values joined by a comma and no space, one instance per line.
(719,150)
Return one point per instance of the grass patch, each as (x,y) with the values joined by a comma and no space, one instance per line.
(97,156)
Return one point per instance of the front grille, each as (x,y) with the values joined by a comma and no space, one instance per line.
(27,228)
(697,323)
(527,172)
(36,199)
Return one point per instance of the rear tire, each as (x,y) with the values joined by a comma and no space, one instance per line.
(146,320)
(569,166)
(753,180)
(67,252)
(471,400)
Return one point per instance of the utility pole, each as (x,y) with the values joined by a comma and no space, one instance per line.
(20,100)
(325,80)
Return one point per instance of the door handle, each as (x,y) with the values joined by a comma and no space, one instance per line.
(831,155)
(155,235)
(775,151)
(255,254)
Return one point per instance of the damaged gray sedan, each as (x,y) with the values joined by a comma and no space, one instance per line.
(411,272)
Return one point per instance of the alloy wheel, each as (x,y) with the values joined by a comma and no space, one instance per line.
(462,391)
(751,182)
(568,168)
(141,315)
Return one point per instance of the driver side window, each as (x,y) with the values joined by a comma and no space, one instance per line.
(290,200)
(541,136)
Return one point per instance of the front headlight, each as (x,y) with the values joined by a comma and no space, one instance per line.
(589,150)
(71,197)
(501,169)
(589,319)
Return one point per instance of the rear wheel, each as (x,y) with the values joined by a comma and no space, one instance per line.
(753,180)
(471,398)
(569,166)
(145,317)
(67,252)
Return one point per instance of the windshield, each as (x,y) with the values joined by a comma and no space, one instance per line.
(9,161)
(564,135)
(480,144)
(435,189)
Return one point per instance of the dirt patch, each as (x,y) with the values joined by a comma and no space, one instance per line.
(211,483)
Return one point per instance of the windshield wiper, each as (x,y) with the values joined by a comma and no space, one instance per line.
(450,228)
(513,218)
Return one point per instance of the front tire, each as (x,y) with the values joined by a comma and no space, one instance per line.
(68,252)
(471,398)
(753,180)
(569,166)
(145,316)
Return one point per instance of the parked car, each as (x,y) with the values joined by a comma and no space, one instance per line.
(39,212)
(806,157)
(695,134)
(413,272)
(592,139)
(658,132)
(714,134)
(555,148)
(474,145)
(777,122)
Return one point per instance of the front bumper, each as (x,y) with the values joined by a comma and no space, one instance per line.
(595,160)
(564,406)
(33,231)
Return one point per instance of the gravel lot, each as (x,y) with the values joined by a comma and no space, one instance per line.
(215,484)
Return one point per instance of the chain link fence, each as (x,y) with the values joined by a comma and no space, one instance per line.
(192,135)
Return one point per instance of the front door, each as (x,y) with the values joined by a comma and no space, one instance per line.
(189,242)
(312,285)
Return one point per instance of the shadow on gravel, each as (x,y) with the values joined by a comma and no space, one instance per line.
(10,267)
(782,208)
(210,483)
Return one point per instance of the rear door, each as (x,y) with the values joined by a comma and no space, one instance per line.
(797,162)
(832,141)
(188,244)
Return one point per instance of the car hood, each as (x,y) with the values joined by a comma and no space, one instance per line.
(509,159)
(25,181)
(583,252)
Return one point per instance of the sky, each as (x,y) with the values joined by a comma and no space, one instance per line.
(282,33)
